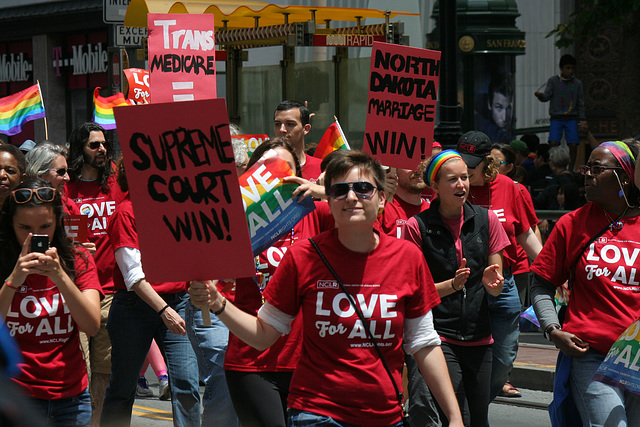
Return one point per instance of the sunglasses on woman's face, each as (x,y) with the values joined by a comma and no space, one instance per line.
(60,172)
(595,170)
(24,195)
(362,189)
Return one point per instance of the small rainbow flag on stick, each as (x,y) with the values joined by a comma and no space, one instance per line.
(103,108)
(332,140)
(19,108)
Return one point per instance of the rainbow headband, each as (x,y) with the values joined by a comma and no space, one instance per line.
(436,163)
(623,155)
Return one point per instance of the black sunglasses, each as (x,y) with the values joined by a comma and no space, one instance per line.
(595,170)
(94,145)
(60,172)
(362,189)
(24,195)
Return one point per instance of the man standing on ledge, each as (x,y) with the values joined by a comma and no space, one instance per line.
(291,121)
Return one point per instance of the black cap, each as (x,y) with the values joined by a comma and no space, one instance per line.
(473,146)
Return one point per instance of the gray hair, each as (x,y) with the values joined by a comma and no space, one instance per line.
(560,157)
(41,156)
(239,150)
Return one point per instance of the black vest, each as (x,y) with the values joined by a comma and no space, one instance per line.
(463,315)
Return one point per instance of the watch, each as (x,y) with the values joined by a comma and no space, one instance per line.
(547,332)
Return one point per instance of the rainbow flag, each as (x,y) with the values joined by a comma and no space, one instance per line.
(103,108)
(19,108)
(270,210)
(332,140)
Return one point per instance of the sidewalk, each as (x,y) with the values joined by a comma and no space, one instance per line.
(535,365)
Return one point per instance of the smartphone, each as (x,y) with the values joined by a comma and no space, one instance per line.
(39,243)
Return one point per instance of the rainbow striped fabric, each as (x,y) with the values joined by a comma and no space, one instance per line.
(19,108)
(332,140)
(103,108)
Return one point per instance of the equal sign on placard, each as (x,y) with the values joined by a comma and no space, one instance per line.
(183,86)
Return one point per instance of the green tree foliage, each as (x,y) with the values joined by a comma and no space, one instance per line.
(590,17)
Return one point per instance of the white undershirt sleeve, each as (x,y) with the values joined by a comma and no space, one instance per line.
(419,332)
(129,262)
(280,321)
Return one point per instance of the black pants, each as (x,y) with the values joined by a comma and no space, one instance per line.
(470,372)
(259,398)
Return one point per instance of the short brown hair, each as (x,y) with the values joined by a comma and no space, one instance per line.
(341,165)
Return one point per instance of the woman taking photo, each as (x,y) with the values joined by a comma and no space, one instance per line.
(465,270)
(46,297)
(341,378)
(595,248)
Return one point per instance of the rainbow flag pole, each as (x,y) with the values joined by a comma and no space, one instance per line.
(46,127)
(332,140)
(19,108)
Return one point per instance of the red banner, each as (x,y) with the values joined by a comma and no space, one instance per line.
(401,110)
(184,188)
(182,61)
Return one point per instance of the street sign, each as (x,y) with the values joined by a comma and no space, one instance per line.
(129,36)
(348,40)
(113,11)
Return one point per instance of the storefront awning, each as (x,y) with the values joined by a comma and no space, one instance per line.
(248,14)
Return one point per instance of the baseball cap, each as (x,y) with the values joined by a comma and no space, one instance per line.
(473,146)
(436,144)
(521,146)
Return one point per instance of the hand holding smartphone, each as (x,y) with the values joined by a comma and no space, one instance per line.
(39,243)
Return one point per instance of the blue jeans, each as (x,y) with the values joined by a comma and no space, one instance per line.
(132,325)
(600,404)
(309,419)
(73,411)
(210,346)
(505,312)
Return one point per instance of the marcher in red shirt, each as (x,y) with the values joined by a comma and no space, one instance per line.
(340,377)
(595,247)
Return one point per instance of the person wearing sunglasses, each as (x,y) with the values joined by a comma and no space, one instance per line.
(465,270)
(595,247)
(340,378)
(48,161)
(94,189)
(46,299)
(12,169)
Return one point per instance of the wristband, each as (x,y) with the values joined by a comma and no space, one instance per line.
(6,282)
(163,309)
(224,305)
(547,332)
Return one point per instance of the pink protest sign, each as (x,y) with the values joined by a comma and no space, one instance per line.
(401,111)
(184,189)
(182,63)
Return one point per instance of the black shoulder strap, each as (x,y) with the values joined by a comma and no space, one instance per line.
(399,395)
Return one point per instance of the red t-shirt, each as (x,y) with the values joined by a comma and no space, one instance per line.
(70,207)
(40,322)
(285,353)
(340,374)
(123,234)
(311,168)
(605,297)
(98,206)
(396,214)
(504,198)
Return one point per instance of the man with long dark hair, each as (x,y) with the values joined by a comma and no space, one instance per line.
(93,187)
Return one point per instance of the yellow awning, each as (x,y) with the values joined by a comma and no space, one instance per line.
(242,14)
